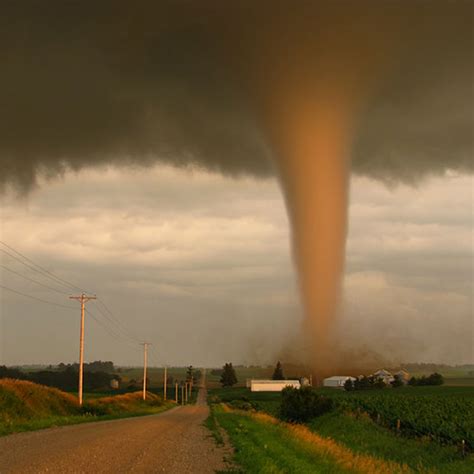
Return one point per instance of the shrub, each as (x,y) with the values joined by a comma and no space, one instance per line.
(397,382)
(303,404)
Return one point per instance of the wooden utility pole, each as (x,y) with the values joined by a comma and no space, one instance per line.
(145,361)
(83,299)
(165,381)
(186,391)
(176,392)
(182,394)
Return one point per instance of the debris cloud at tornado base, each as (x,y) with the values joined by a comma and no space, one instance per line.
(309,92)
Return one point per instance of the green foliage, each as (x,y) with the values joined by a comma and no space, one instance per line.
(433,379)
(97,375)
(348,385)
(278,372)
(189,373)
(397,382)
(365,383)
(228,377)
(303,404)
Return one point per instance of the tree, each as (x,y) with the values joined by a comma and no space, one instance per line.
(189,374)
(278,372)
(228,377)
(348,385)
(435,379)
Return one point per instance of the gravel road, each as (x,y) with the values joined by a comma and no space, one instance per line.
(173,442)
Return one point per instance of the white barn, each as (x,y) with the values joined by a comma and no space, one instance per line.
(272,385)
(337,381)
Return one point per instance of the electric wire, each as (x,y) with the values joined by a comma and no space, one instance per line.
(117,336)
(38,268)
(36,298)
(33,280)
(115,320)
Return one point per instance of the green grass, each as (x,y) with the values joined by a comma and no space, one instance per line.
(54,421)
(211,424)
(264,448)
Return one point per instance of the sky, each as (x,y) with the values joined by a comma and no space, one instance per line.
(189,162)
(200,265)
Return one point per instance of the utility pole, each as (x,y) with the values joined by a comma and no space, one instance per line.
(145,360)
(176,392)
(165,384)
(186,391)
(83,299)
(182,394)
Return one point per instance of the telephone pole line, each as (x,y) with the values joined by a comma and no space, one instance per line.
(165,380)
(83,299)
(145,361)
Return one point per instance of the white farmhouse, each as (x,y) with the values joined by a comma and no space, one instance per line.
(385,375)
(337,381)
(272,385)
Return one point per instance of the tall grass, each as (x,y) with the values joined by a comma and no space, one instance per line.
(26,406)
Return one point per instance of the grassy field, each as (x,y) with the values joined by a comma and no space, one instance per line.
(357,432)
(26,406)
(267,448)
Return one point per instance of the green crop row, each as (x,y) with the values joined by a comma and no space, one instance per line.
(448,420)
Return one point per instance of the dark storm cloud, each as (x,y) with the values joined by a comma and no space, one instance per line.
(116,82)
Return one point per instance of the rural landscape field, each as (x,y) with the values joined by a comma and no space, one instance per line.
(390,429)
(236,236)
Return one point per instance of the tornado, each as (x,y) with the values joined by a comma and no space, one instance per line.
(321,81)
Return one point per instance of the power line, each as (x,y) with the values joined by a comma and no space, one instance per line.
(117,336)
(115,320)
(32,280)
(38,268)
(36,298)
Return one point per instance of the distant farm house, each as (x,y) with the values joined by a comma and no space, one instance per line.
(272,385)
(384,375)
(337,381)
(114,384)
(403,375)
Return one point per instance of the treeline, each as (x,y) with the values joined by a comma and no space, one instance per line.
(364,383)
(433,379)
(66,376)
(376,383)
(96,366)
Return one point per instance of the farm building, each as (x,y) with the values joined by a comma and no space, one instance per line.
(403,375)
(385,375)
(272,385)
(337,381)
